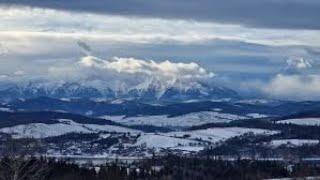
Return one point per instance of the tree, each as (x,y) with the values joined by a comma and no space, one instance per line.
(19,162)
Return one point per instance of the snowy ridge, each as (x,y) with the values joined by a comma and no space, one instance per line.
(293,142)
(148,91)
(188,120)
(302,121)
(195,140)
(162,141)
(215,135)
(41,130)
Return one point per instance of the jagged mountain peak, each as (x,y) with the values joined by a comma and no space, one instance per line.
(149,91)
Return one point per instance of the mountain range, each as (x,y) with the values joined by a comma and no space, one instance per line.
(153,92)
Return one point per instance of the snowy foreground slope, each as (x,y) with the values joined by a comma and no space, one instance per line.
(183,140)
(302,121)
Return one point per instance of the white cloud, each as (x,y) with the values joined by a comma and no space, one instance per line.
(166,72)
(3,50)
(19,73)
(3,77)
(296,82)
(40,22)
(129,72)
(297,87)
(164,69)
(298,63)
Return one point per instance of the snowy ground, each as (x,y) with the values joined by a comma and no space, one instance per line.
(293,142)
(214,135)
(256,115)
(302,121)
(186,120)
(41,130)
(194,140)
(163,141)
(185,141)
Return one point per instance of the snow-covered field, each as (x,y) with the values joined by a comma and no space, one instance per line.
(302,121)
(256,115)
(186,120)
(194,140)
(189,148)
(41,130)
(214,135)
(293,142)
(181,141)
(163,141)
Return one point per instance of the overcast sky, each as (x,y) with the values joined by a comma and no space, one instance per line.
(270,47)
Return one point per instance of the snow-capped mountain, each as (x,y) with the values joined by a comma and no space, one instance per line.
(151,91)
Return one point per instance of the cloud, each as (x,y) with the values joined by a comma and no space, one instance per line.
(3,50)
(32,53)
(165,69)
(294,14)
(130,72)
(19,73)
(118,73)
(297,64)
(294,87)
(3,77)
(296,82)
(25,23)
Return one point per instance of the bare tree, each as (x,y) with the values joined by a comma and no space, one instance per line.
(19,160)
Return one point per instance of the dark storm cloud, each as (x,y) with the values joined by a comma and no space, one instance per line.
(292,14)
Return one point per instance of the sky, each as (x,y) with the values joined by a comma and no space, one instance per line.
(267,47)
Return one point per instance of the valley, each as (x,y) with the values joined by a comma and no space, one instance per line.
(134,130)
